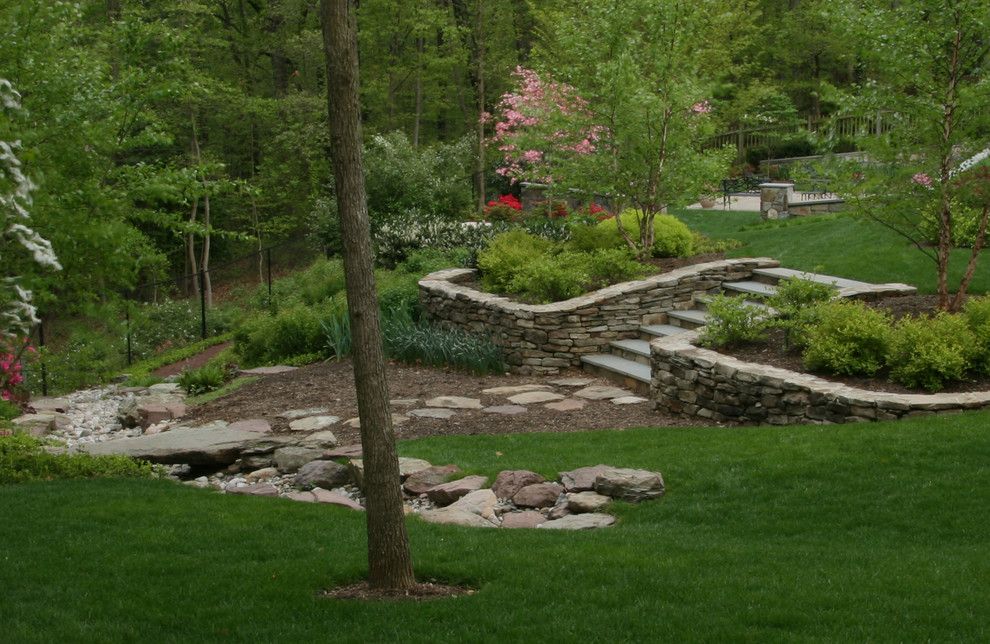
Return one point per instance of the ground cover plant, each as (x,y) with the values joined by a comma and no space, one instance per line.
(765,534)
(23,458)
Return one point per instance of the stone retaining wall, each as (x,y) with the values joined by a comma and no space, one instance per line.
(815,207)
(693,381)
(544,338)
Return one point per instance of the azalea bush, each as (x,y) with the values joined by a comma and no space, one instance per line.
(13,354)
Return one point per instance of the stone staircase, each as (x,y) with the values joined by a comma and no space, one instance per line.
(628,361)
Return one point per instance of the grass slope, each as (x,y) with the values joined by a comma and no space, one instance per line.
(840,533)
(840,245)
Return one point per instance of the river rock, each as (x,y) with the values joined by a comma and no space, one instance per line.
(324,474)
(447,493)
(480,502)
(263,474)
(629,484)
(579,522)
(538,495)
(508,482)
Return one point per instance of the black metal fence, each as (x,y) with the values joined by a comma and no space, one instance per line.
(185,307)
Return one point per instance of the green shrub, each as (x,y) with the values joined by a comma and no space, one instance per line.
(733,321)
(848,338)
(931,351)
(423,343)
(797,302)
(977,314)
(551,278)
(266,338)
(8,410)
(206,378)
(589,238)
(671,236)
(23,458)
(610,266)
(505,255)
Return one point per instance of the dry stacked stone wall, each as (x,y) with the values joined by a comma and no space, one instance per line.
(544,338)
(693,381)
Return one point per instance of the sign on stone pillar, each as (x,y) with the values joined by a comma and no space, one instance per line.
(774,198)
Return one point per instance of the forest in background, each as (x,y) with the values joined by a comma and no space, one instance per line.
(166,135)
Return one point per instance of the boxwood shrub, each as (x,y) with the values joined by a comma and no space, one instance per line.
(848,338)
(928,352)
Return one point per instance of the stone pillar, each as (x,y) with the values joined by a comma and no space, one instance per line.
(774,198)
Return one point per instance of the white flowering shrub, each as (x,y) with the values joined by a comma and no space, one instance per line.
(17,313)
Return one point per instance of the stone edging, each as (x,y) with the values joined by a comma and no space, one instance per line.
(543,338)
(694,381)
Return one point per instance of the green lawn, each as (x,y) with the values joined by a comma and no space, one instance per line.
(840,245)
(873,532)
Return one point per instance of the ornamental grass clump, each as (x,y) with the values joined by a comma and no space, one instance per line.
(928,352)
(423,343)
(848,338)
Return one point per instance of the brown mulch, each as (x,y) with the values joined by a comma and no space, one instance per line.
(666,264)
(420,592)
(194,362)
(331,385)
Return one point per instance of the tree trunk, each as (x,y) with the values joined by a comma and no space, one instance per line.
(480,44)
(389,559)
(974,256)
(191,250)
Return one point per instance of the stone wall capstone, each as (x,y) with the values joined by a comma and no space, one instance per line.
(544,338)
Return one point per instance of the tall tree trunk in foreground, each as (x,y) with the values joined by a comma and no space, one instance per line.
(389,560)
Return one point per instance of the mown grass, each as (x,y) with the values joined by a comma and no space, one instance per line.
(841,245)
(841,533)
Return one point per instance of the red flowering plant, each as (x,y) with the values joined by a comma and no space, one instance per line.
(13,354)
(505,208)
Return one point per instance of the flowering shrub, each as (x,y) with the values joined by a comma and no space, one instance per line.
(12,369)
(533,128)
(506,208)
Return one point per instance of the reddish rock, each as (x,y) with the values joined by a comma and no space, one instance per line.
(447,493)
(257,489)
(305,497)
(347,451)
(583,478)
(539,495)
(334,498)
(526,519)
(421,481)
(508,482)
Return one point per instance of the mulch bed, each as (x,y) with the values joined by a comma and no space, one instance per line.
(331,385)
(419,592)
(773,354)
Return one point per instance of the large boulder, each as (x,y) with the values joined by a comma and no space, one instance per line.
(292,457)
(421,481)
(214,445)
(508,482)
(456,516)
(583,478)
(538,495)
(524,519)
(325,474)
(447,493)
(629,484)
(579,502)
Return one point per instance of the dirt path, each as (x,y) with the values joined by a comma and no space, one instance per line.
(195,362)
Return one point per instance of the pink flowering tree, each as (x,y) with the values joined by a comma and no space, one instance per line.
(628,112)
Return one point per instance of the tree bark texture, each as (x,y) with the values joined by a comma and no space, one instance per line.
(389,559)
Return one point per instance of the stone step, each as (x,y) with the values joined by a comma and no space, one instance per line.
(750,287)
(702,303)
(635,350)
(629,374)
(650,331)
(773,275)
(689,319)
